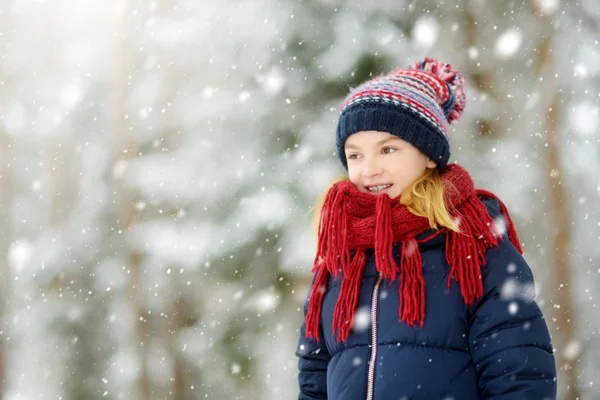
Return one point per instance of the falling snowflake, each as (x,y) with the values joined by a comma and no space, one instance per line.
(547,6)
(508,44)
(572,350)
(20,253)
(362,319)
(425,32)
(511,268)
(584,118)
(235,368)
(500,226)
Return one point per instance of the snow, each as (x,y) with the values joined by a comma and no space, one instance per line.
(425,32)
(71,94)
(347,46)
(362,319)
(572,350)
(508,43)
(511,268)
(235,368)
(500,226)
(473,52)
(591,7)
(20,253)
(548,7)
(513,289)
(14,118)
(584,118)
(273,82)
(580,70)
(264,301)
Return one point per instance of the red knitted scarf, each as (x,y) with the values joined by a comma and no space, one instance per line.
(351,219)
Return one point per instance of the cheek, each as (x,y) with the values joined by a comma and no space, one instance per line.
(354,175)
(407,171)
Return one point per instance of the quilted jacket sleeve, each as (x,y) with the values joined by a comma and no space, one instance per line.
(313,358)
(508,337)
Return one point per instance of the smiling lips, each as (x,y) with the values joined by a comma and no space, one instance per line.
(377,188)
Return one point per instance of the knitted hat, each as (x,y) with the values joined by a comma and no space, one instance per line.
(416,104)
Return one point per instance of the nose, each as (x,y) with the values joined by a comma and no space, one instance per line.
(371,167)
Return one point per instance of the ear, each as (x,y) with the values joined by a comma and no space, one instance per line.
(431,164)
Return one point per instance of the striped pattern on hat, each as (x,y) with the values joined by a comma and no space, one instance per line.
(417,104)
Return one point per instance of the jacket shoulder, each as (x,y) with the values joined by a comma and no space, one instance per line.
(492,205)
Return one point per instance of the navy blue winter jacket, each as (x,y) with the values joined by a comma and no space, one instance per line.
(497,348)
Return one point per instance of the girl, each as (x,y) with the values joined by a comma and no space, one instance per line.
(419,289)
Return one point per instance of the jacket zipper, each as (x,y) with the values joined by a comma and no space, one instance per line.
(371,376)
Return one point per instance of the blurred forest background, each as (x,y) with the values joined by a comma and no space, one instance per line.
(160,160)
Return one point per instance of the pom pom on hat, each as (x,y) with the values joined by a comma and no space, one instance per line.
(455,105)
(416,104)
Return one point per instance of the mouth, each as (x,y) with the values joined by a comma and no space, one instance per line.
(377,189)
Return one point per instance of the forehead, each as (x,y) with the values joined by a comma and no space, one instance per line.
(366,138)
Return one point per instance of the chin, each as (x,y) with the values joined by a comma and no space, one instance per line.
(394,195)
(396,192)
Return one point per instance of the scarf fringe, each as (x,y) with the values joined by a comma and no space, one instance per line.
(510,225)
(326,258)
(412,285)
(344,312)
(384,240)
(465,250)
(332,252)
(315,304)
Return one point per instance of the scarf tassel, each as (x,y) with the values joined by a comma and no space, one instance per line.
(466,250)
(510,225)
(412,284)
(332,252)
(331,256)
(315,304)
(384,240)
(344,312)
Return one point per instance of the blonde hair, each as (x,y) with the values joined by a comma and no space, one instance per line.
(424,198)
(318,206)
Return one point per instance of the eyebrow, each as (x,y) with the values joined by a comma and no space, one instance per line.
(351,146)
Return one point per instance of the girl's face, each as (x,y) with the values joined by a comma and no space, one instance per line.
(379,162)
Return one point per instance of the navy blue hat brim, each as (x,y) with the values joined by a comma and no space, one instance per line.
(399,121)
